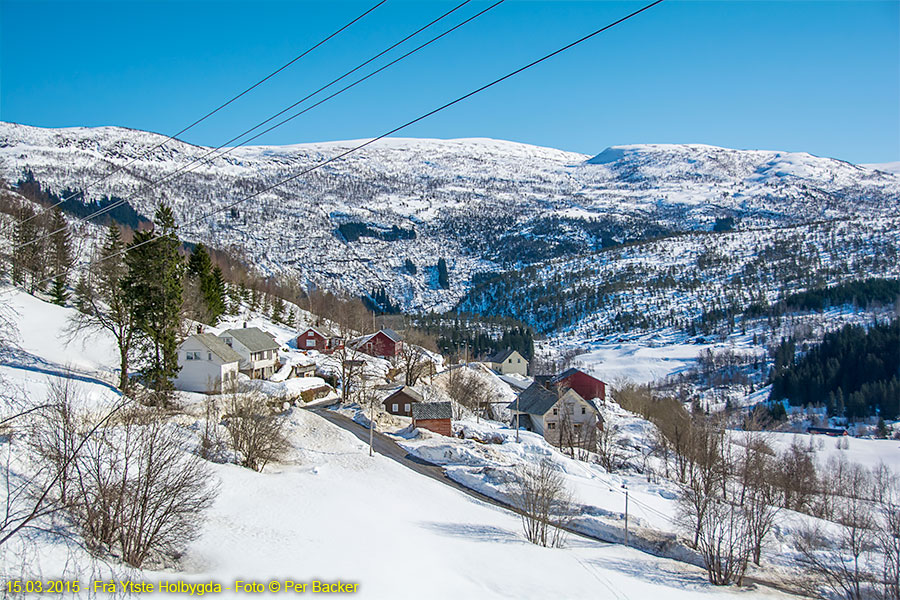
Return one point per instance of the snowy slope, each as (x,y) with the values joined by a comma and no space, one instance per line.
(330,512)
(481,204)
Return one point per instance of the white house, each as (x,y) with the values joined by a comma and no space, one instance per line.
(507,362)
(566,418)
(258,350)
(206,363)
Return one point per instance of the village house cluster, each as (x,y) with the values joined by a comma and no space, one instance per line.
(564,408)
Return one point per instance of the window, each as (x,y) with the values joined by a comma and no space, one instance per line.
(519,360)
(209,356)
(555,411)
(571,409)
(583,410)
(192,355)
(396,407)
(551,425)
(310,343)
(228,342)
(406,408)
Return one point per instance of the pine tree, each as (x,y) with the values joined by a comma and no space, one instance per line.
(29,257)
(211,282)
(153,287)
(443,276)
(60,256)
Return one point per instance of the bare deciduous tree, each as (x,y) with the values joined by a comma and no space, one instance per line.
(544,503)
(723,542)
(255,432)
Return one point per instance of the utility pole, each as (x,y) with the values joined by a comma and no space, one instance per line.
(371,424)
(517,418)
(626,513)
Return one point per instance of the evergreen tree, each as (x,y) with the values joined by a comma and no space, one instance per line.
(29,257)
(443,276)
(153,287)
(60,256)
(211,282)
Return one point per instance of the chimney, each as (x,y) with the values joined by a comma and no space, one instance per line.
(245,324)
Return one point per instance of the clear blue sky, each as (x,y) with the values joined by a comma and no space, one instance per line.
(816,76)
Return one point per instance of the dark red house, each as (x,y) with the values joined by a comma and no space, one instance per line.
(588,387)
(315,339)
(384,344)
(402,401)
(433,416)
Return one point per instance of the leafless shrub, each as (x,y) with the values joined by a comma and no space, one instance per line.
(609,447)
(723,543)
(256,433)
(469,391)
(139,494)
(843,564)
(545,504)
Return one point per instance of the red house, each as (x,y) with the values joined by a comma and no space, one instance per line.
(315,339)
(384,344)
(588,387)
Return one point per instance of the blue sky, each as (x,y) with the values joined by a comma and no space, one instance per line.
(816,76)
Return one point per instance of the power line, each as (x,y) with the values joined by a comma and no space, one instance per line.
(203,159)
(388,133)
(204,117)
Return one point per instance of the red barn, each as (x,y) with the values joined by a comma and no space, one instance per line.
(384,344)
(315,339)
(588,387)
(433,416)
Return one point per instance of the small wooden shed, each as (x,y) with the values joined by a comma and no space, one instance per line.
(433,416)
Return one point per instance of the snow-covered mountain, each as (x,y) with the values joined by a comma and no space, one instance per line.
(482,205)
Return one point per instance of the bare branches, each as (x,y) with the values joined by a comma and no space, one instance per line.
(544,503)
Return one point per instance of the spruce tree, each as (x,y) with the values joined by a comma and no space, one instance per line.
(211,282)
(153,287)
(60,256)
(443,276)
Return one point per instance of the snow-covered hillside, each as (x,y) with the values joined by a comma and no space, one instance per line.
(483,205)
(328,512)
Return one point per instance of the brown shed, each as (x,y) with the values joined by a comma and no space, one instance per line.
(433,416)
(402,401)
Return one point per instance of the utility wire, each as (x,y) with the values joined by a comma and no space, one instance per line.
(203,159)
(386,134)
(203,118)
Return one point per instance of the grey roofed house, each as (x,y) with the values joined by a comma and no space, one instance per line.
(253,338)
(534,400)
(432,410)
(218,347)
(500,356)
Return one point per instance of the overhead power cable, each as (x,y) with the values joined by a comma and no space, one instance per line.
(204,160)
(204,117)
(387,133)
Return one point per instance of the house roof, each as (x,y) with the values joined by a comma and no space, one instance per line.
(217,346)
(325,333)
(432,410)
(393,335)
(500,356)
(534,400)
(407,391)
(254,338)
(569,372)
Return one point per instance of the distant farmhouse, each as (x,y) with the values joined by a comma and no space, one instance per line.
(319,339)
(508,362)
(206,363)
(562,417)
(385,343)
(258,350)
